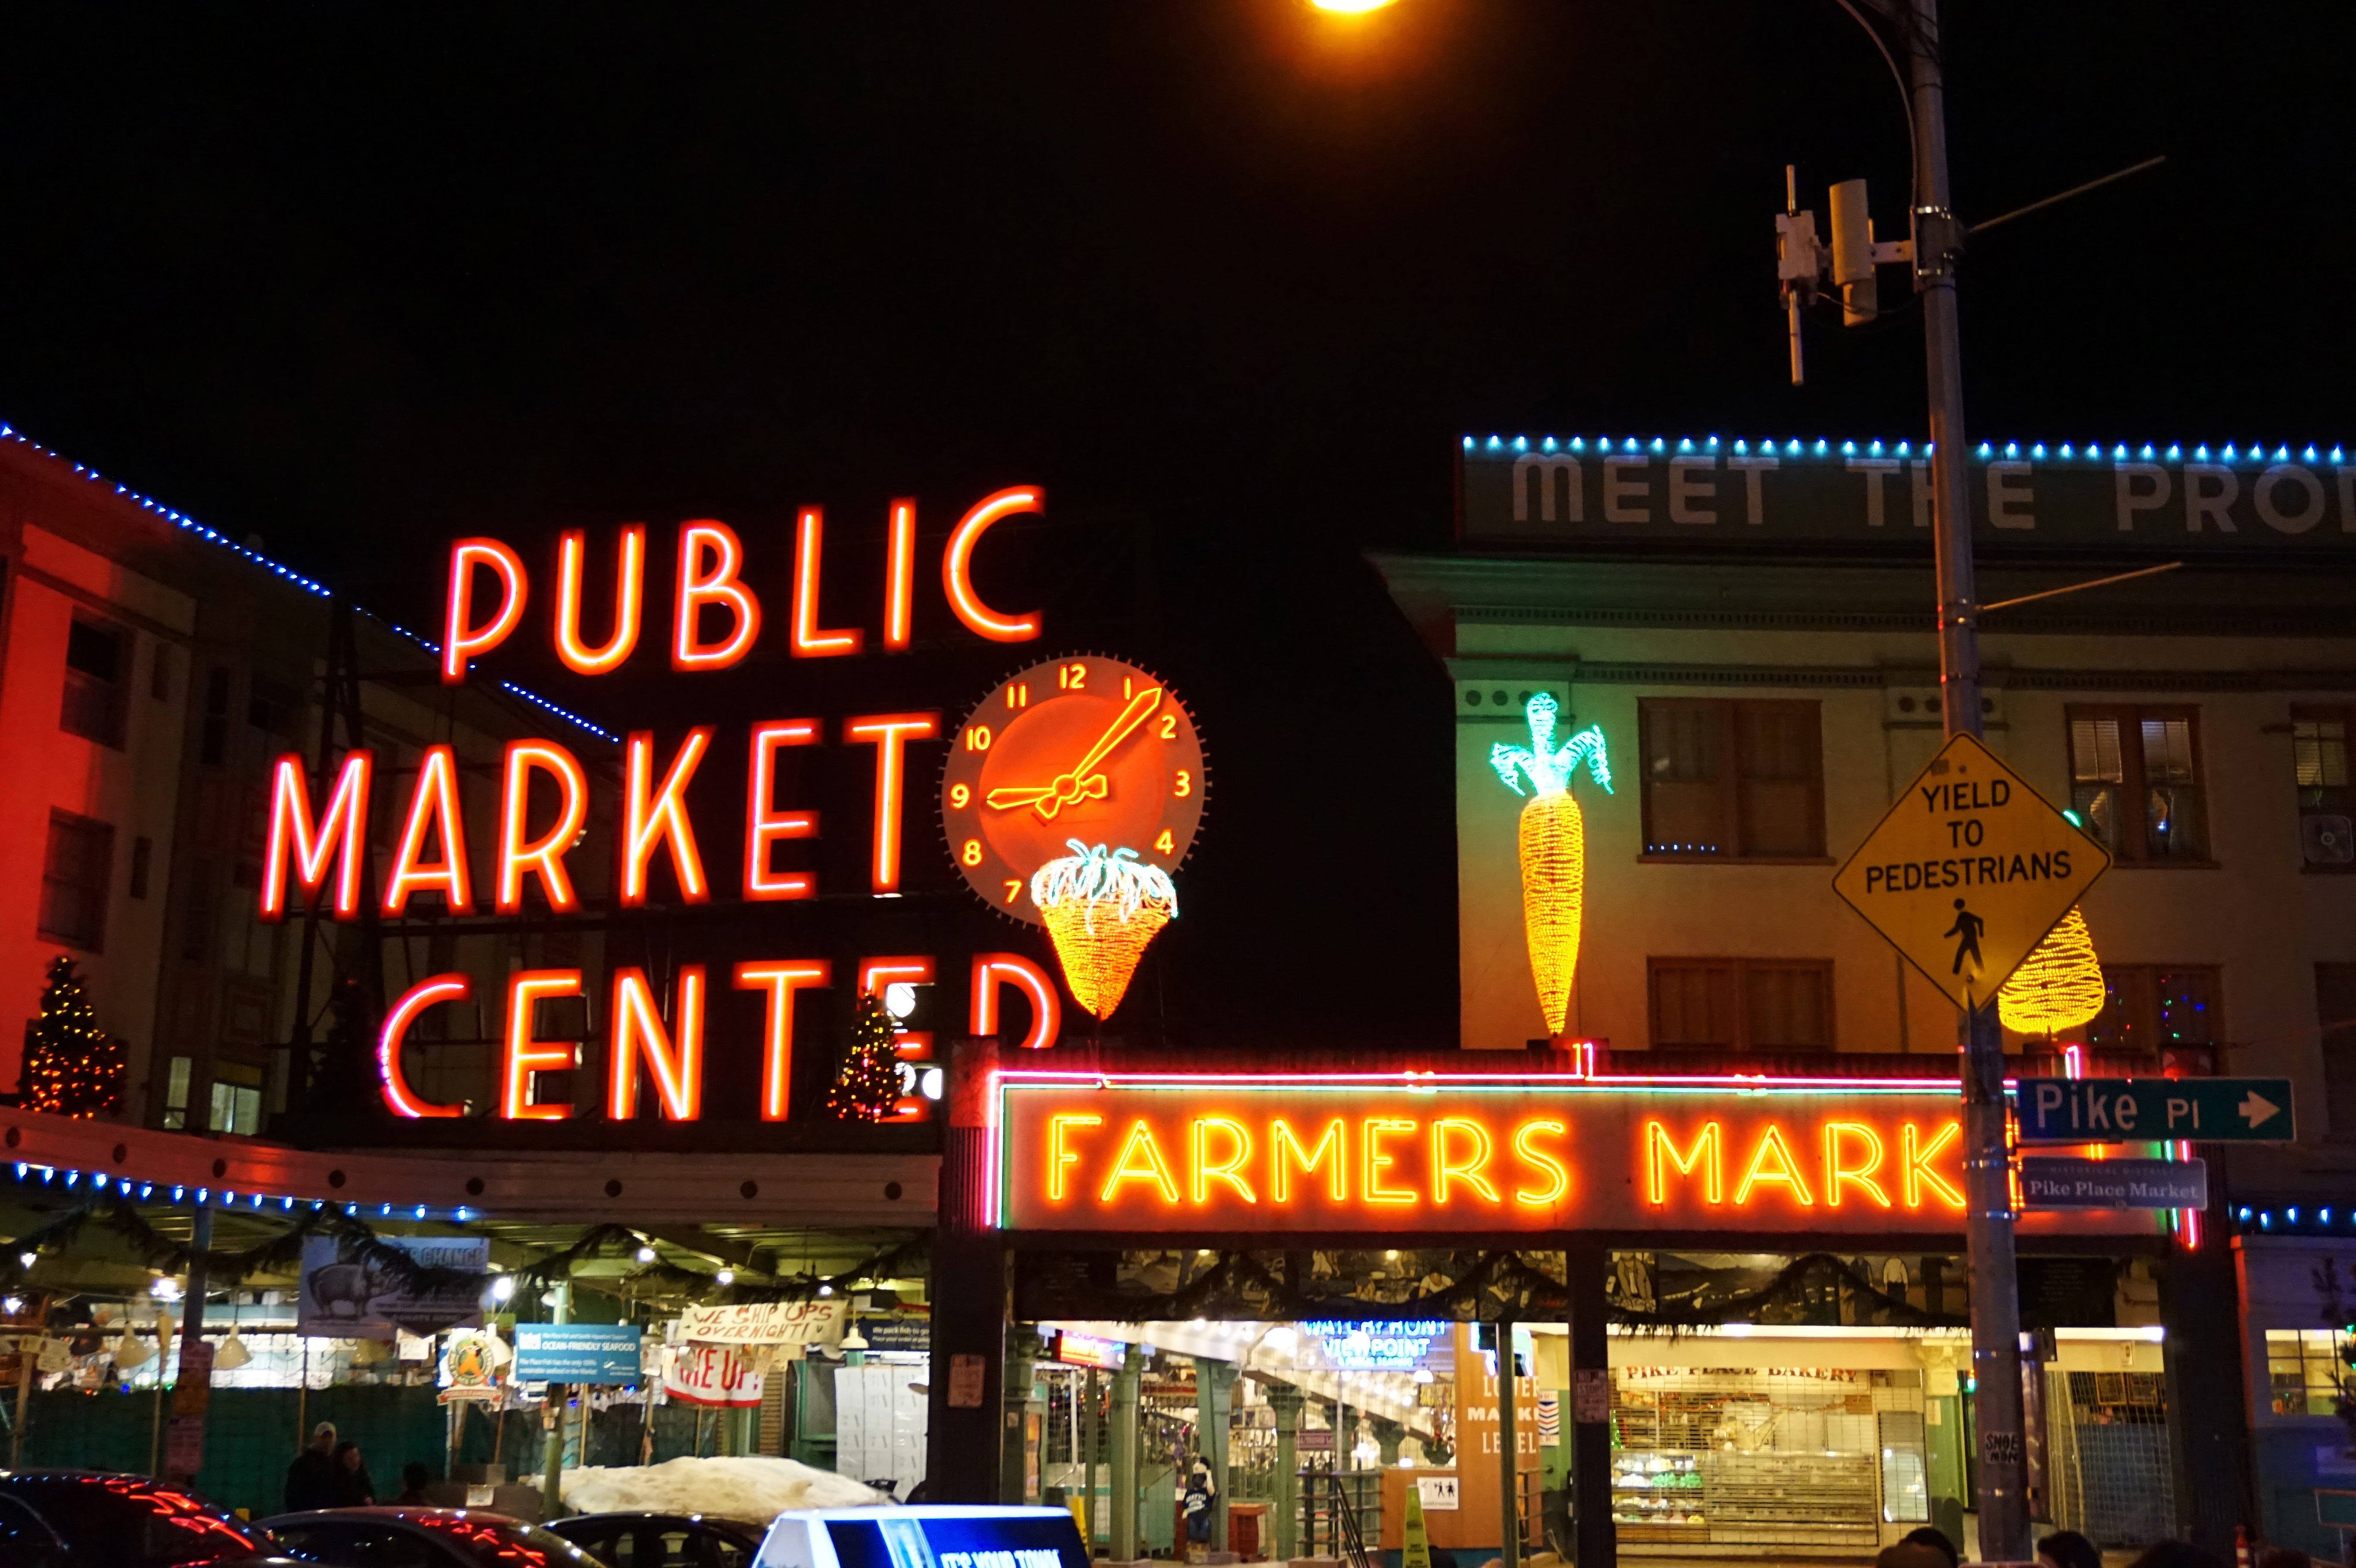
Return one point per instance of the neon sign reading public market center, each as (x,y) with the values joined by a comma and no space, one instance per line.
(314,850)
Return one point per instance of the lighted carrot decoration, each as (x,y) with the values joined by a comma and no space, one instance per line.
(2058,986)
(1102,908)
(1553,846)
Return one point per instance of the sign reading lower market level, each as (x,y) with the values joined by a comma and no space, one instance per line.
(2126,1110)
(1969,871)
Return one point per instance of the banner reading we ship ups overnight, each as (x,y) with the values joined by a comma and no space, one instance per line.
(1712,491)
(1419,1152)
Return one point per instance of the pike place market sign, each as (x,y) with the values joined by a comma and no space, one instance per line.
(1549,492)
(1474,1152)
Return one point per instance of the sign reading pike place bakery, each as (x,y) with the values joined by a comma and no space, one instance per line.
(1563,491)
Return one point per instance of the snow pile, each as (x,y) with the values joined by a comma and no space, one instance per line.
(753,1488)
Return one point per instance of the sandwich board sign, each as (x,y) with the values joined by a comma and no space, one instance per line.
(1969,872)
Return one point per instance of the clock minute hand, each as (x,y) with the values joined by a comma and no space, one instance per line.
(1142,704)
(1082,782)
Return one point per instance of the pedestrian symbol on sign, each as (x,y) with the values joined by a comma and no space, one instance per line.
(1967,932)
(1969,872)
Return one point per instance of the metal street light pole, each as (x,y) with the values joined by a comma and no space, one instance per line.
(1995,1288)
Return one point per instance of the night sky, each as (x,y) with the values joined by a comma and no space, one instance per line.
(1228,277)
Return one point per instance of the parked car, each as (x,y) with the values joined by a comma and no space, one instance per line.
(421,1538)
(94,1518)
(663,1539)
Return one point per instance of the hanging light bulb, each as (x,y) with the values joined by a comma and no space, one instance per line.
(2058,986)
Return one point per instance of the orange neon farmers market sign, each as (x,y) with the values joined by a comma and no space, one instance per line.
(1400,1152)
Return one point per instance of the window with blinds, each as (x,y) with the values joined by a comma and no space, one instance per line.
(1742,1003)
(1733,780)
(2318,749)
(2135,779)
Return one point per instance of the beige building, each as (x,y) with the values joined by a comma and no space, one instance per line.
(1765,679)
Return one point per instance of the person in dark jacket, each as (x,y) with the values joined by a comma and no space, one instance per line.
(414,1479)
(310,1479)
(350,1486)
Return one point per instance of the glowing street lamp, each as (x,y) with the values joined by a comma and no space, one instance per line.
(1349,8)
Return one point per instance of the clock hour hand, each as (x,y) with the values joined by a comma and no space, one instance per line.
(1083,782)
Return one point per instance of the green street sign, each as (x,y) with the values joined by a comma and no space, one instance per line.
(2134,1110)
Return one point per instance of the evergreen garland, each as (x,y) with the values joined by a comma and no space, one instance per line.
(867,1087)
(71,1068)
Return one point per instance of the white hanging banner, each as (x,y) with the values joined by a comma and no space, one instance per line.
(764,1323)
(710,1375)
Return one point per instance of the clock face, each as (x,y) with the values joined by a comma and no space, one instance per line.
(1085,748)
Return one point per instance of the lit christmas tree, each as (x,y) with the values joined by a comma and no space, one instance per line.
(70,1068)
(867,1087)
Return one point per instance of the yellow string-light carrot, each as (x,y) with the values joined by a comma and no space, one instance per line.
(1553,843)
(2058,986)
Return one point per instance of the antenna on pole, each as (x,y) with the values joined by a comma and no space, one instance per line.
(1799,264)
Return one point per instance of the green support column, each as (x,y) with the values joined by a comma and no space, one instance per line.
(1388,1435)
(1286,1400)
(1089,1400)
(1122,1418)
(1509,1481)
(1022,1349)
(1215,1386)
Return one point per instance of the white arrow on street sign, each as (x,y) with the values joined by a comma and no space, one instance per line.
(2257,1109)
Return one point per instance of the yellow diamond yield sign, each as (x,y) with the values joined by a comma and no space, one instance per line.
(1969,871)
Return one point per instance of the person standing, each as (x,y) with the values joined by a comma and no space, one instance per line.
(350,1486)
(1199,1493)
(414,1479)
(310,1479)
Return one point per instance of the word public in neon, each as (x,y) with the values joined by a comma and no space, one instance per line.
(716,614)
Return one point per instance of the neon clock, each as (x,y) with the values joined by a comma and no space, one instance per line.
(1084,747)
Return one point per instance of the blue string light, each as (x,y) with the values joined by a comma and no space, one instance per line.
(210,535)
(2119,453)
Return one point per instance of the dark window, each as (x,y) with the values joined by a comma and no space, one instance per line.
(1733,780)
(270,707)
(2335,1010)
(127,1525)
(24,1536)
(97,658)
(73,880)
(212,746)
(1742,1003)
(2135,778)
(142,850)
(196,915)
(2154,1007)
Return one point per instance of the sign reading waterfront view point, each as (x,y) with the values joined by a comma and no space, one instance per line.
(2128,1110)
(2063,1181)
(1969,872)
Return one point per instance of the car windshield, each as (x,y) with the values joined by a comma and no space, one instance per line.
(128,1522)
(487,1538)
